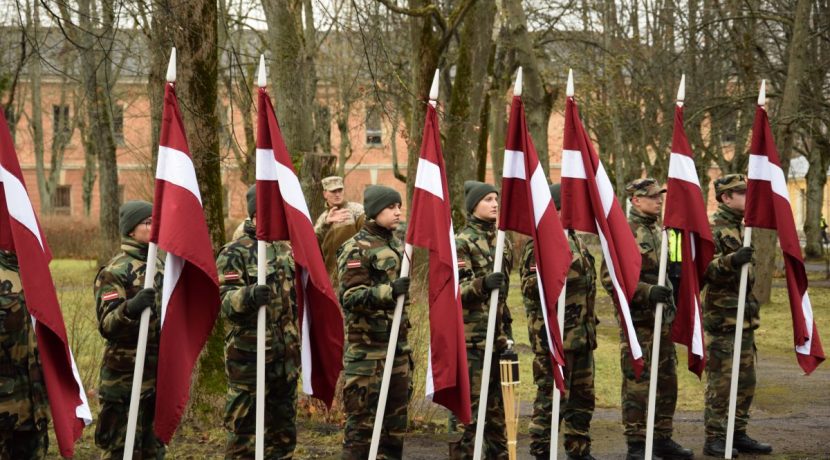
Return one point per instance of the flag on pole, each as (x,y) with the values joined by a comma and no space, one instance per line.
(430,227)
(768,206)
(190,292)
(282,214)
(686,213)
(589,205)
(20,232)
(527,207)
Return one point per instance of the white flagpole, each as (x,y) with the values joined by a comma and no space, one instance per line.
(554,414)
(144,324)
(261,268)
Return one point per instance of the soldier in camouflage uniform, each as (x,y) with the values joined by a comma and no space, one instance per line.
(719,309)
(24,408)
(339,222)
(241,299)
(475,245)
(369,265)
(579,340)
(120,298)
(647,202)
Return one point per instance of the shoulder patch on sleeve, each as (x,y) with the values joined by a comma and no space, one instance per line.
(533,267)
(353,263)
(462,263)
(231,276)
(112,295)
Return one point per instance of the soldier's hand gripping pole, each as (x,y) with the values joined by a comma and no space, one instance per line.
(655,347)
(261,267)
(554,413)
(488,349)
(736,353)
(140,352)
(390,358)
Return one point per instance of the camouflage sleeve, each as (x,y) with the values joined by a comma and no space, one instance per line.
(527,271)
(720,269)
(233,289)
(358,292)
(288,293)
(641,294)
(507,267)
(110,306)
(472,287)
(321,227)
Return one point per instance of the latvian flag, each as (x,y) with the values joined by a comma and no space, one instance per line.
(768,206)
(20,232)
(589,205)
(527,207)
(190,293)
(282,214)
(430,227)
(686,214)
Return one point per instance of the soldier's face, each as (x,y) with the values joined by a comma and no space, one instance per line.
(735,200)
(488,208)
(649,205)
(334,197)
(141,232)
(390,217)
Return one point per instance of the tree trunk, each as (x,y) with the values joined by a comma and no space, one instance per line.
(36,122)
(819,159)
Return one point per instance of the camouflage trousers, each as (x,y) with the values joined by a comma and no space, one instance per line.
(111,430)
(577,404)
(360,401)
(280,416)
(24,445)
(635,391)
(495,437)
(719,349)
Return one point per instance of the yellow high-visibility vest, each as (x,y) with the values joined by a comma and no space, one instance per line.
(675,251)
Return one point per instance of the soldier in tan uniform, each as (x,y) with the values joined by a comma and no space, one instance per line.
(340,221)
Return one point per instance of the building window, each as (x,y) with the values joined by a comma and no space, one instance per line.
(61,202)
(61,130)
(730,130)
(374,130)
(118,124)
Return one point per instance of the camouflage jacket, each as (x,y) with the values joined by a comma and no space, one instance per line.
(117,282)
(647,233)
(720,294)
(580,293)
(332,236)
(23,399)
(476,248)
(237,267)
(367,264)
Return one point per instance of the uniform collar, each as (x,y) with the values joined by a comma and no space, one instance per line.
(249,228)
(480,224)
(642,218)
(732,215)
(373,228)
(133,248)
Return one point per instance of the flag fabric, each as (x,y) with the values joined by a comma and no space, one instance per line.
(686,214)
(190,292)
(589,205)
(527,207)
(20,232)
(282,214)
(430,227)
(768,206)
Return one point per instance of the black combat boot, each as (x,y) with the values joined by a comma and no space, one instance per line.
(636,450)
(747,445)
(717,448)
(667,449)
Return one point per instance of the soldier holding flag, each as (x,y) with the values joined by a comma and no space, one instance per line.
(241,299)
(120,297)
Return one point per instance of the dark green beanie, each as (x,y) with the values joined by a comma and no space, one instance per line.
(131,214)
(251,197)
(475,191)
(377,197)
(557,195)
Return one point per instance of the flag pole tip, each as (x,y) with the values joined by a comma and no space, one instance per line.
(569,88)
(433,91)
(261,81)
(171,66)
(517,87)
(681,90)
(762,93)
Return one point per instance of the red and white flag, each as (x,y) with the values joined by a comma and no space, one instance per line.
(768,206)
(686,214)
(20,232)
(527,207)
(589,205)
(430,227)
(282,214)
(190,289)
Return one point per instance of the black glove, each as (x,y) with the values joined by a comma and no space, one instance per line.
(259,295)
(143,299)
(660,294)
(400,286)
(742,256)
(669,312)
(494,281)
